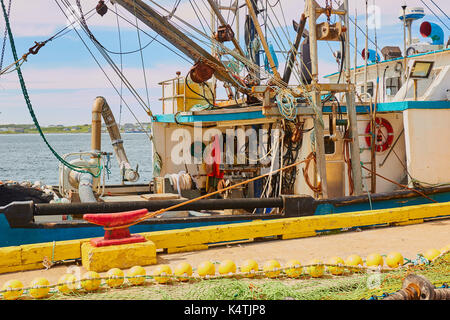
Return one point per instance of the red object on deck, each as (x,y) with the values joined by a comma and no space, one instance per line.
(116,236)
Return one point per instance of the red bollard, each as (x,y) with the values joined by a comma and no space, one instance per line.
(119,235)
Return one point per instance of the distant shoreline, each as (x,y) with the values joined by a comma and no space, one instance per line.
(30,129)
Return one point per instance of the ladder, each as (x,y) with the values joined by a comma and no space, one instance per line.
(372,120)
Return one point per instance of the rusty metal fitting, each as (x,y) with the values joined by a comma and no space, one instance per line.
(101,8)
(224,33)
(416,287)
(201,72)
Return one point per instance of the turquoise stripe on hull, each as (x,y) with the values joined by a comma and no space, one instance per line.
(381,107)
(323,209)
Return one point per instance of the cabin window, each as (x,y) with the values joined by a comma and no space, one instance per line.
(392,86)
(369,88)
(329,145)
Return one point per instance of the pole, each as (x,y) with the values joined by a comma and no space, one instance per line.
(294,50)
(219,15)
(366,53)
(316,100)
(351,113)
(356,46)
(262,38)
(404,43)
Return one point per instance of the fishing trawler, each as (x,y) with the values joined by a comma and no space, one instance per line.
(280,144)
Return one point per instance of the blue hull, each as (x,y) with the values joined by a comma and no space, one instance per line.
(18,236)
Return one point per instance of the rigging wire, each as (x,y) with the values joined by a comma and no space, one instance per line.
(153,37)
(35,49)
(105,55)
(106,75)
(437,17)
(195,11)
(142,57)
(439,8)
(121,66)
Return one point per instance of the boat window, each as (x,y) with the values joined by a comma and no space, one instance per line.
(329,145)
(369,88)
(392,86)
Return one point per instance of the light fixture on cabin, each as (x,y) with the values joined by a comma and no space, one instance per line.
(421,69)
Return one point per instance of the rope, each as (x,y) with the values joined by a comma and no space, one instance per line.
(30,107)
(400,185)
(318,188)
(5,35)
(285,101)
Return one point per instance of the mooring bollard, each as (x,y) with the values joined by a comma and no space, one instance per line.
(120,234)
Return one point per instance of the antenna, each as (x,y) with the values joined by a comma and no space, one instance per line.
(408,16)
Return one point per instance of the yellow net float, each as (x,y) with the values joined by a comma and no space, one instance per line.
(374,260)
(354,260)
(394,260)
(161,271)
(336,270)
(206,268)
(271,268)
(91,281)
(39,288)
(183,270)
(115,278)
(294,269)
(445,249)
(227,267)
(14,289)
(66,283)
(249,267)
(136,275)
(431,254)
(316,270)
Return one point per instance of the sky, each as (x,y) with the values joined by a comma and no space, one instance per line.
(63,79)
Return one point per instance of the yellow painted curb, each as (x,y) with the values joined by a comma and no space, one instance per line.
(122,256)
(187,248)
(290,228)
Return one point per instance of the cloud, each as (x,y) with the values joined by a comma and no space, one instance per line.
(68,78)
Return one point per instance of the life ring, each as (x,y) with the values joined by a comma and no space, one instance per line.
(382,141)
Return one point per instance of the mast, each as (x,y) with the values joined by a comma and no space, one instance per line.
(294,50)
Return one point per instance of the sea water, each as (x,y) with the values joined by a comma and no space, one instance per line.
(26,157)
